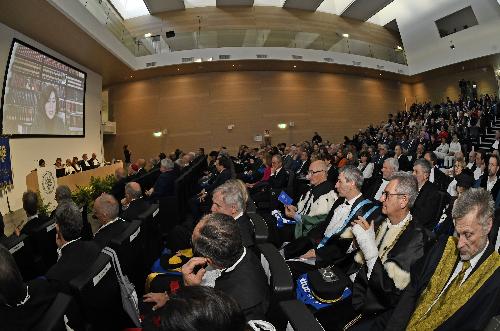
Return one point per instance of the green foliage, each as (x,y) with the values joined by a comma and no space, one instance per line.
(87,194)
(43,208)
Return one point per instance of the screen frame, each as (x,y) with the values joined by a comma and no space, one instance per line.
(38,135)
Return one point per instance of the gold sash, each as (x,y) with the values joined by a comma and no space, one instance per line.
(422,318)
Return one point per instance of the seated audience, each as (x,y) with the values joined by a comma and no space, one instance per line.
(313,206)
(365,164)
(455,147)
(457,285)
(489,180)
(402,158)
(479,165)
(33,220)
(303,163)
(118,189)
(106,210)
(377,185)
(165,184)
(198,308)
(228,199)
(134,202)
(385,258)
(277,182)
(141,164)
(75,255)
(22,304)
(426,207)
(437,176)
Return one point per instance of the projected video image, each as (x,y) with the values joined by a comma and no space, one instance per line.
(42,96)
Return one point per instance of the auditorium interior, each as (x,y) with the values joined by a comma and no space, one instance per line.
(250,165)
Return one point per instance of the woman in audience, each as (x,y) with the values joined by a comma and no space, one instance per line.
(22,305)
(265,169)
(365,164)
(47,120)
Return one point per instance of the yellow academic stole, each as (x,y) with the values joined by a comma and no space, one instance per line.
(422,318)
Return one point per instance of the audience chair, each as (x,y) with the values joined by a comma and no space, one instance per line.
(150,227)
(277,271)
(44,243)
(87,228)
(29,264)
(129,248)
(169,214)
(97,292)
(494,324)
(299,317)
(53,319)
(260,228)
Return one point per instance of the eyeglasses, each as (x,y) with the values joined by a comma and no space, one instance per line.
(312,172)
(386,194)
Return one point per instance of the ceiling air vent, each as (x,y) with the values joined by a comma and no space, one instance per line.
(224,57)
(380,67)
(187,59)
(356,63)
(262,56)
(328,59)
(297,57)
(150,64)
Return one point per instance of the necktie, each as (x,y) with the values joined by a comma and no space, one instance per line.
(452,288)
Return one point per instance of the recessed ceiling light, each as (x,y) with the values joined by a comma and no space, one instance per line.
(147,35)
(380,74)
(345,35)
(178,69)
(233,65)
(295,66)
(399,48)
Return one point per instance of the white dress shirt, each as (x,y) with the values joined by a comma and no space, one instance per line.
(339,216)
(491,183)
(381,189)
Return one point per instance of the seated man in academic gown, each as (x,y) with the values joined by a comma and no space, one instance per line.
(84,163)
(385,254)
(489,179)
(329,240)
(315,204)
(427,205)
(457,285)
(34,220)
(118,188)
(133,203)
(404,163)
(75,255)
(378,184)
(228,199)
(165,183)
(106,211)
(278,181)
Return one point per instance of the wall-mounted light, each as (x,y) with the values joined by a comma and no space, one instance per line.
(345,35)
(282,125)
(147,35)
(230,126)
(399,48)
(157,134)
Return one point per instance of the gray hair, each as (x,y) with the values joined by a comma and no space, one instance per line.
(407,185)
(232,195)
(108,206)
(477,199)
(424,164)
(353,174)
(393,163)
(69,219)
(131,191)
(219,240)
(167,163)
(63,193)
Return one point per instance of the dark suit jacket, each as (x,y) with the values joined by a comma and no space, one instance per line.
(164,185)
(372,188)
(483,182)
(303,168)
(105,234)
(84,166)
(247,284)
(141,173)
(473,315)
(118,189)
(135,208)
(279,181)
(33,224)
(76,257)
(404,163)
(426,207)
(246,230)
(441,180)
(221,178)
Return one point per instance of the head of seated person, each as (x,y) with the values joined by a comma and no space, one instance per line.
(228,199)
(120,174)
(30,203)
(217,238)
(63,193)
(69,222)
(349,182)
(132,191)
(106,208)
(166,165)
(201,308)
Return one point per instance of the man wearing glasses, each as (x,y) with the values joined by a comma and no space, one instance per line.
(315,204)
(384,255)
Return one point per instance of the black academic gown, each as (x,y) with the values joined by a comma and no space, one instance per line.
(473,315)
(426,207)
(246,230)
(135,208)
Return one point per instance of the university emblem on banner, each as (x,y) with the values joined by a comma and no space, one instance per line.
(48,182)
(5,164)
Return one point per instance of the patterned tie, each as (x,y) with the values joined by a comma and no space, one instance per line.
(454,285)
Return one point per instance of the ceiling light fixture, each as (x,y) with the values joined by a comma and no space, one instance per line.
(157,134)
(282,125)
(147,35)
(399,48)
(345,35)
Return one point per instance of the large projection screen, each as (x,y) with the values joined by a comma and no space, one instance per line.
(42,96)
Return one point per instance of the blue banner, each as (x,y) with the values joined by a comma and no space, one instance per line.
(5,164)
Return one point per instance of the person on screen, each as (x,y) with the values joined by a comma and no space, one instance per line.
(46,119)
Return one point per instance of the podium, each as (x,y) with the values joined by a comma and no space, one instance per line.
(74,180)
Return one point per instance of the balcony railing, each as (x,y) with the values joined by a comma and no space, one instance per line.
(159,44)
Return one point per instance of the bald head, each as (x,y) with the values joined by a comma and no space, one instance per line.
(141,163)
(317,172)
(106,208)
